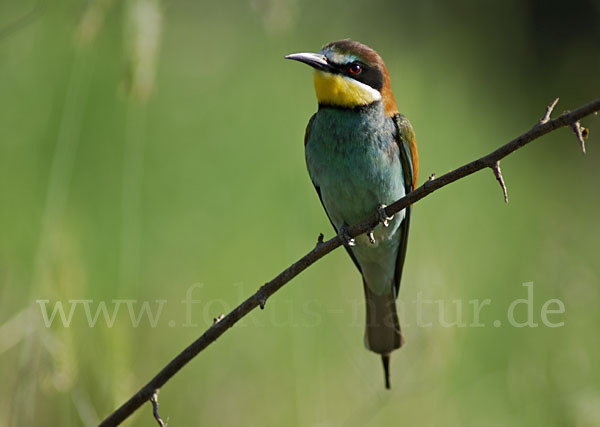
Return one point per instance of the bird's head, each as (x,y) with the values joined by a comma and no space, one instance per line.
(349,74)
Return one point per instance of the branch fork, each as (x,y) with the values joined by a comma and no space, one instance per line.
(580,132)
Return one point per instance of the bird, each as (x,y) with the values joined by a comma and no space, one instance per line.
(361,156)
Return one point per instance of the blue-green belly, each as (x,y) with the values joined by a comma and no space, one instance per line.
(352,157)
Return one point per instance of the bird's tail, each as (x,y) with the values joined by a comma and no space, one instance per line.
(382,334)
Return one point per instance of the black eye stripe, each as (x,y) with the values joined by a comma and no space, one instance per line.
(369,75)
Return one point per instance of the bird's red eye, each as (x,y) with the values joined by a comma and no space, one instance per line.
(354,69)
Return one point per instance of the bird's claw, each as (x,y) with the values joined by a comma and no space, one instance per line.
(371,236)
(383,218)
(346,238)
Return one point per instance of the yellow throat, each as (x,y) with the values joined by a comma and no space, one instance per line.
(342,91)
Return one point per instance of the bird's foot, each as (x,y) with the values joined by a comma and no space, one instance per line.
(371,236)
(346,238)
(383,218)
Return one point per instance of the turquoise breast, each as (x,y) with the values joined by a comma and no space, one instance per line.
(353,158)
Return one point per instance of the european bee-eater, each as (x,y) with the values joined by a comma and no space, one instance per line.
(361,156)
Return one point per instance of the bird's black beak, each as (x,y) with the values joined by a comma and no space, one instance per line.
(315,60)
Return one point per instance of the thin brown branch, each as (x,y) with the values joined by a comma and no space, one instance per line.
(324,247)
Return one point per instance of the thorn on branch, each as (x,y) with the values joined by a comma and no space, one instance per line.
(154,401)
(549,109)
(581,133)
(218,318)
(262,300)
(320,239)
(498,175)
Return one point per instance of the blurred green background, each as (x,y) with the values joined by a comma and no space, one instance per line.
(152,150)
